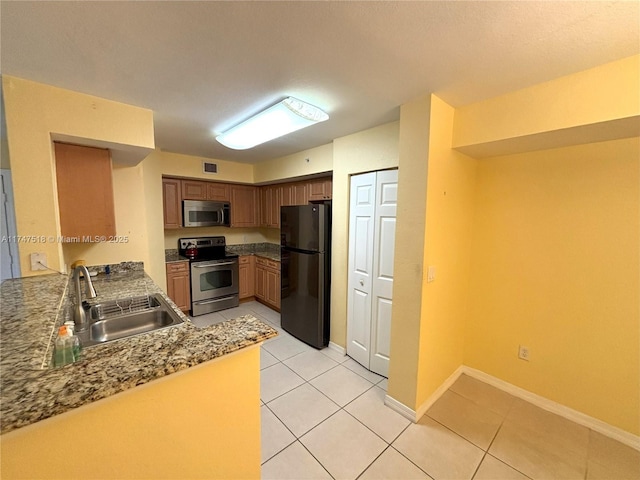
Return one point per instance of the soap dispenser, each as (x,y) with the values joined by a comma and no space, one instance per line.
(62,349)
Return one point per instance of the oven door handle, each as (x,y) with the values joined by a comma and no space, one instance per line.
(208,265)
(216,300)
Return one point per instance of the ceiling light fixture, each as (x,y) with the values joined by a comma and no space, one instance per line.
(285,117)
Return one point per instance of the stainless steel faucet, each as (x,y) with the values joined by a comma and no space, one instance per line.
(79,315)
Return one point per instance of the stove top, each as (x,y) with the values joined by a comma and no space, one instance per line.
(199,249)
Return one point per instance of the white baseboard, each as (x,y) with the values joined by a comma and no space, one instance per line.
(337,348)
(594,424)
(580,418)
(415,415)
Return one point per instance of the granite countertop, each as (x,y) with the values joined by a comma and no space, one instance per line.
(266,250)
(33,308)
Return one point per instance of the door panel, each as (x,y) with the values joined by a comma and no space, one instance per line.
(381,339)
(382,282)
(361,222)
(360,333)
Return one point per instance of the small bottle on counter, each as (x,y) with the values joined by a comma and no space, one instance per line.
(75,341)
(63,348)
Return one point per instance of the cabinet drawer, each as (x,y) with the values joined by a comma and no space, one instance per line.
(244,259)
(268,263)
(175,267)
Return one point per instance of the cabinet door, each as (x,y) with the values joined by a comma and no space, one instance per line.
(171,202)
(179,284)
(245,208)
(261,282)
(275,208)
(246,271)
(218,191)
(286,195)
(273,288)
(86,209)
(266,195)
(299,194)
(194,190)
(270,206)
(320,189)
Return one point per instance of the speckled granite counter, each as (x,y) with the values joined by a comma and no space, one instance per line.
(171,256)
(32,308)
(266,250)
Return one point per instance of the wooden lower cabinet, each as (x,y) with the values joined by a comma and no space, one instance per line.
(179,284)
(246,272)
(268,282)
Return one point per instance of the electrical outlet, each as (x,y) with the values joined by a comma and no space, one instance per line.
(38,261)
(523,353)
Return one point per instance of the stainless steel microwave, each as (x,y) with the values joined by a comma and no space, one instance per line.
(202,213)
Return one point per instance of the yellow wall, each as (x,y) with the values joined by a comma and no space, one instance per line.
(182,426)
(598,104)
(366,151)
(448,240)
(556,268)
(320,160)
(435,218)
(408,267)
(34,112)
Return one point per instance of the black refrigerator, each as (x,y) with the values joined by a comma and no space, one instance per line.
(305,240)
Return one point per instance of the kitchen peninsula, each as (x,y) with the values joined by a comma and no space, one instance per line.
(176,402)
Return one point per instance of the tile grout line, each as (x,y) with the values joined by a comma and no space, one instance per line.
(343,408)
(407,458)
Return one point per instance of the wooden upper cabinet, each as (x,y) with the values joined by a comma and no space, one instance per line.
(194,190)
(294,194)
(320,189)
(201,190)
(218,191)
(299,194)
(270,206)
(245,206)
(172,202)
(85,191)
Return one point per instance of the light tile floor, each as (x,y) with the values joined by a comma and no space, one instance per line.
(323,416)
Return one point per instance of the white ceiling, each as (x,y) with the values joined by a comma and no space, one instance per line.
(204,66)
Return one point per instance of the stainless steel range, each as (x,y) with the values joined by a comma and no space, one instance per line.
(214,274)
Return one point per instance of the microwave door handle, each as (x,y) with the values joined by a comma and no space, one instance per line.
(222,215)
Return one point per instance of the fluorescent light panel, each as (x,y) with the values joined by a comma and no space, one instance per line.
(285,117)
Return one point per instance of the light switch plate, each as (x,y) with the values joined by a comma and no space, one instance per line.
(431,273)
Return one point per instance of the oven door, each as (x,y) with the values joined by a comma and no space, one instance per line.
(211,280)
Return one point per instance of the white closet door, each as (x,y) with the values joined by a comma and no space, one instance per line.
(361,224)
(372,226)
(382,281)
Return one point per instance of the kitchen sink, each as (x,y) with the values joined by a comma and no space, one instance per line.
(127,317)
